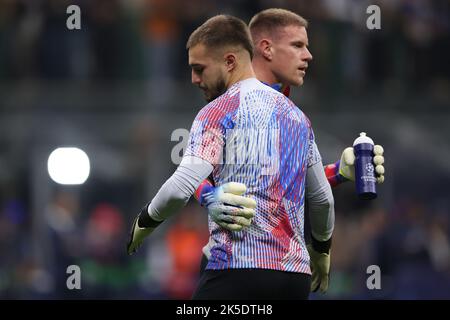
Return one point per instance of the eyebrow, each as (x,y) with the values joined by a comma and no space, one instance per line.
(194,65)
(299,42)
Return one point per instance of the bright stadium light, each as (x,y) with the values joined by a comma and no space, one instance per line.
(68,166)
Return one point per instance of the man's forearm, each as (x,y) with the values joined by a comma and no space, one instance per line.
(331,172)
(177,190)
(321,203)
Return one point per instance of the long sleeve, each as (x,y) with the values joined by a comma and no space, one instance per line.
(321,202)
(177,190)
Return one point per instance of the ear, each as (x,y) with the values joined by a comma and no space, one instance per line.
(266,49)
(230,61)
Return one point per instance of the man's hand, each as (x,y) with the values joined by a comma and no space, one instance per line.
(228,208)
(143,225)
(347,163)
(319,254)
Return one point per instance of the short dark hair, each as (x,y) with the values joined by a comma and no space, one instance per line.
(270,19)
(221,31)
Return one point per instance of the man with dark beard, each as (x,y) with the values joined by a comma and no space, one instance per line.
(252,135)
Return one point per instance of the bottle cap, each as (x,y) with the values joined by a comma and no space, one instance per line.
(362,139)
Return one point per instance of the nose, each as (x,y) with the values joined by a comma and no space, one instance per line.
(308,55)
(195,79)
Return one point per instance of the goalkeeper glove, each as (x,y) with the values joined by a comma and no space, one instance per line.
(143,225)
(347,163)
(319,254)
(227,207)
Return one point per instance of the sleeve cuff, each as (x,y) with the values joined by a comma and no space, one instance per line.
(321,246)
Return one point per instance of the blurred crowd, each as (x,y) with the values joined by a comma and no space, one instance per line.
(145,40)
(409,242)
(95,241)
(406,231)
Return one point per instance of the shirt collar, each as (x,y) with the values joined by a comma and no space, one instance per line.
(279,87)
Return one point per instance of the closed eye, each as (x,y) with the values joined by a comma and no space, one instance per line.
(198,69)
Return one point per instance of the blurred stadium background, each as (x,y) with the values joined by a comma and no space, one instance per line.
(120,86)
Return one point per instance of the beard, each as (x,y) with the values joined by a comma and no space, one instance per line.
(215,90)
